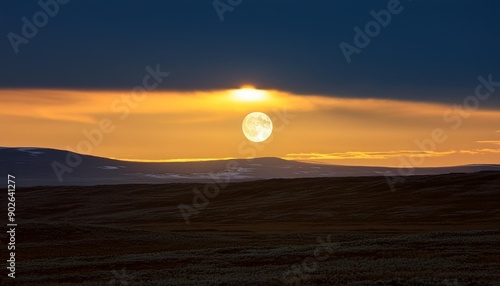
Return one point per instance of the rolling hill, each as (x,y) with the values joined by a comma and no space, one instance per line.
(41,166)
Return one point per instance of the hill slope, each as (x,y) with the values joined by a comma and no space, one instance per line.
(40,166)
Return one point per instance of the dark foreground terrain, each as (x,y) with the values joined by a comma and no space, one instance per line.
(429,230)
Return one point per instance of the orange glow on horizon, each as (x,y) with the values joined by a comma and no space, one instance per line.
(173,126)
(180,160)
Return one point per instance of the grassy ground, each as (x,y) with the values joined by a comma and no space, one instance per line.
(432,230)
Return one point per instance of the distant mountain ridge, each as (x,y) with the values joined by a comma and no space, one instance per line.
(39,167)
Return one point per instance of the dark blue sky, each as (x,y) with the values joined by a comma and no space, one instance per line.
(431,51)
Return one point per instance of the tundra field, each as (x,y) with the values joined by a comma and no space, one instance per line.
(430,230)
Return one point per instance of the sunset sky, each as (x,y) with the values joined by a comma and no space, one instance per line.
(407,88)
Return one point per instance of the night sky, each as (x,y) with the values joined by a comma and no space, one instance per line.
(369,83)
(430,51)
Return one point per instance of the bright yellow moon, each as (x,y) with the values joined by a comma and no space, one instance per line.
(257,126)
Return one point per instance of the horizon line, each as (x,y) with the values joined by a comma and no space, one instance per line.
(193,160)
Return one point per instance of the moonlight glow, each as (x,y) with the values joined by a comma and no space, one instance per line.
(249,93)
(257,126)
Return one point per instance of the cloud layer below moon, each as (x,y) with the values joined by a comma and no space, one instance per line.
(207,124)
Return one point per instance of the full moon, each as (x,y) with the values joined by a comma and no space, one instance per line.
(257,126)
